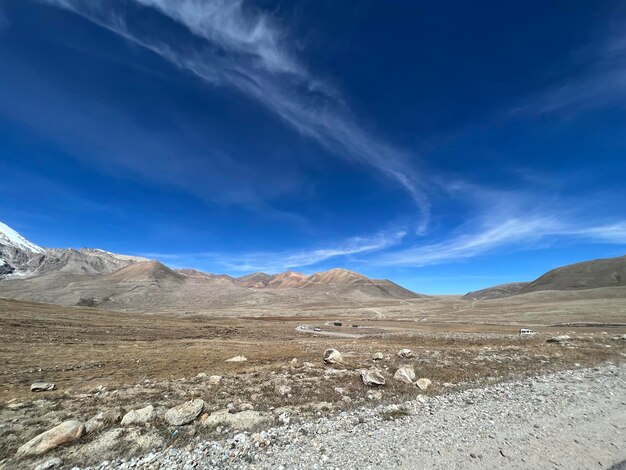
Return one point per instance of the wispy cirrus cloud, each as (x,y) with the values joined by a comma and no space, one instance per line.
(277,261)
(509,233)
(229,44)
(601,83)
(4,21)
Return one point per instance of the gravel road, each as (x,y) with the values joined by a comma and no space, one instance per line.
(569,420)
(336,334)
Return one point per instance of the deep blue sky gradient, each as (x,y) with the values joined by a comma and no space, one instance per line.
(507,118)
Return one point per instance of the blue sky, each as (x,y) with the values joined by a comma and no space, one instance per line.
(447,146)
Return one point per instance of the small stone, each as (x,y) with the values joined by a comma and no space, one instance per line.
(405,374)
(140,416)
(103,419)
(373,377)
(378,356)
(332,356)
(423,384)
(242,421)
(55,462)
(42,387)
(65,433)
(201,375)
(374,395)
(184,413)
(405,353)
(215,379)
(283,390)
(237,359)
(559,339)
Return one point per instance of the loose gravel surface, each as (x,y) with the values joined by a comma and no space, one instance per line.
(570,420)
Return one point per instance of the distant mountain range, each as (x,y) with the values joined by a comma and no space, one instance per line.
(97,278)
(599,273)
(94,277)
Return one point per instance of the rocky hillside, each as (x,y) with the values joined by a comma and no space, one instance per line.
(495,292)
(336,278)
(609,272)
(97,278)
(595,274)
(18,256)
(21,258)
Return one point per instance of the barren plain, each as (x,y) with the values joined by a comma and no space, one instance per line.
(101,361)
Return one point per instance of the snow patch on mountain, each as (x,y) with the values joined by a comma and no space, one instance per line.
(10,237)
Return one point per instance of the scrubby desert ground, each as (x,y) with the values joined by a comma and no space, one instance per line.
(111,363)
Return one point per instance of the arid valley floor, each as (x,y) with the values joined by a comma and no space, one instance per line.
(114,362)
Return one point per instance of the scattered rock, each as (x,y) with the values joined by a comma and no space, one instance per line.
(102,419)
(405,353)
(559,339)
(378,356)
(332,356)
(239,439)
(372,377)
(374,395)
(17,406)
(423,384)
(215,379)
(322,406)
(42,387)
(109,442)
(237,359)
(283,389)
(184,413)
(54,462)
(243,421)
(65,433)
(140,416)
(405,374)
(201,375)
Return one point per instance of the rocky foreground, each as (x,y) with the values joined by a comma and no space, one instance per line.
(571,419)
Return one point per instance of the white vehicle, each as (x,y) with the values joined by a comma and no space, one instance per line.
(526,332)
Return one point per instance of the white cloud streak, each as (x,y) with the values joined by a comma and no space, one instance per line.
(514,232)
(234,46)
(602,84)
(278,261)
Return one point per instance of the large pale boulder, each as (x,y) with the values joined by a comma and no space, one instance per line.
(242,421)
(423,384)
(65,433)
(373,377)
(140,416)
(405,353)
(332,356)
(184,413)
(405,374)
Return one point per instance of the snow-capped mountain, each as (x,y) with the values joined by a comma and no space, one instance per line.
(9,237)
(17,255)
(21,258)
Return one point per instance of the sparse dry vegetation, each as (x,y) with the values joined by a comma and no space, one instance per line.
(104,360)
